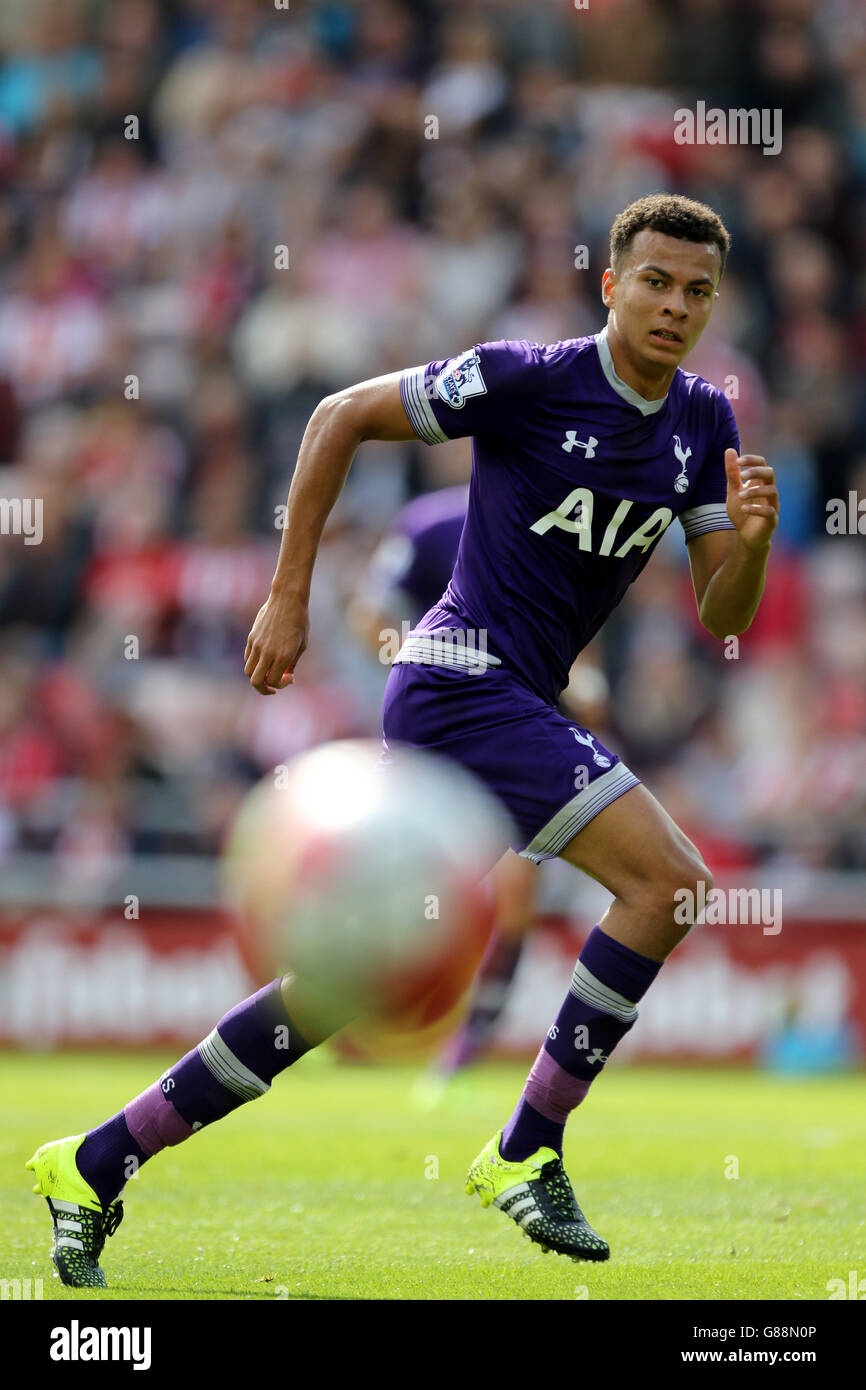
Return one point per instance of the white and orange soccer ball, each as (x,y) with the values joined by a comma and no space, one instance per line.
(368,881)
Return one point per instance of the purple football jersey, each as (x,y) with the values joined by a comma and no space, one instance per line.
(575,478)
(416,558)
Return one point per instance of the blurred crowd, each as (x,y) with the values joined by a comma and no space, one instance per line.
(215,212)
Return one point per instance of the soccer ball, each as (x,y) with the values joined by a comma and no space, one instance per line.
(365,877)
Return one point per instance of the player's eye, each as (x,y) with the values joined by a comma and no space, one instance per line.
(653,280)
(698,291)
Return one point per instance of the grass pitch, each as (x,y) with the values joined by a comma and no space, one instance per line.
(334,1187)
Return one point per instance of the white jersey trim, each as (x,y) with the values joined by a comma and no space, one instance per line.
(713,517)
(446,648)
(417,405)
(628,393)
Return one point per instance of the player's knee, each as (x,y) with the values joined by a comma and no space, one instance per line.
(674,884)
(696,883)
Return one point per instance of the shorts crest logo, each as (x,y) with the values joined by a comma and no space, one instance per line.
(600,759)
(460,380)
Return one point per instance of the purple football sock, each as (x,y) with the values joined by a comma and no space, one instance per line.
(599,1009)
(235,1063)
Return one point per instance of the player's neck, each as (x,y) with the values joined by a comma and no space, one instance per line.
(653,386)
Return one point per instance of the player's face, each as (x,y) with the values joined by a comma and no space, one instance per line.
(662,296)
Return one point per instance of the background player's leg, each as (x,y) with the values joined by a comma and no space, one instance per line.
(639,854)
(514,883)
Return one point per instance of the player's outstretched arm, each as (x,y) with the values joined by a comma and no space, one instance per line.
(729,567)
(370,410)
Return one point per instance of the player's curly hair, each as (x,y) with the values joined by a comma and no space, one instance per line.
(673,215)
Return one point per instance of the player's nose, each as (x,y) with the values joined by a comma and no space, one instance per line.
(677,304)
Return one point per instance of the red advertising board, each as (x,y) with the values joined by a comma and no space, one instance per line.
(725,993)
(79,980)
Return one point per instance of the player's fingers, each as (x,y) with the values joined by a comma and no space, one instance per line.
(732,468)
(754,490)
(265,686)
(758,471)
(759,509)
(278,676)
(268,672)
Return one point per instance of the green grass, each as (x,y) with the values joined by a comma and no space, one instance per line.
(319,1190)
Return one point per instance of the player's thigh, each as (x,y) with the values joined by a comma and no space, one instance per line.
(514,882)
(638,852)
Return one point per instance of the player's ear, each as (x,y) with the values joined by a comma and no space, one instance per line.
(608,283)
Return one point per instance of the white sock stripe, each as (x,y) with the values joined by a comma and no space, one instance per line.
(214,1066)
(597,998)
(585,985)
(229,1070)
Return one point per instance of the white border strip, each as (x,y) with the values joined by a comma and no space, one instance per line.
(418,407)
(429,649)
(713,517)
(578,812)
(584,985)
(228,1070)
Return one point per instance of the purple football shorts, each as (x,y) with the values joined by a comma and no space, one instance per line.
(551,775)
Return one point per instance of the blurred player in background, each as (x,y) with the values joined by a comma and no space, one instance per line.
(408,574)
(584,451)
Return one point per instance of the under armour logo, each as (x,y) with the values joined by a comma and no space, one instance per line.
(167,1084)
(596,1055)
(571,440)
(553,1032)
(681,482)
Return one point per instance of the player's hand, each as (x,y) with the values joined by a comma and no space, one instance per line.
(277,638)
(753,498)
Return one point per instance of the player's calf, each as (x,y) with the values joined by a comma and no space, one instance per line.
(641,855)
(82,1176)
